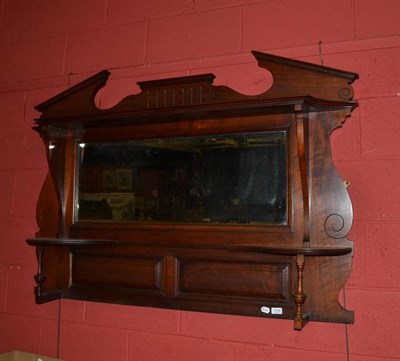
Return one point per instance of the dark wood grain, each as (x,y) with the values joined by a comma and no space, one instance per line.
(293,270)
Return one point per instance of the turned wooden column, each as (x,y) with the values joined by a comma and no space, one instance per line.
(39,277)
(299,297)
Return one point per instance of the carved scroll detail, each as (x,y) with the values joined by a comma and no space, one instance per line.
(335,226)
(346,93)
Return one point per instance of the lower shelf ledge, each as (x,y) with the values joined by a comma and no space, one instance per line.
(276,250)
(294,251)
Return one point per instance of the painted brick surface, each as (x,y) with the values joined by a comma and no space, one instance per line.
(279,24)
(380,128)
(272,352)
(2,339)
(207,4)
(55,18)
(14,231)
(82,343)
(11,139)
(106,48)
(320,336)
(48,342)
(373,19)
(3,285)
(127,11)
(46,46)
(24,202)
(73,310)
(32,60)
(12,105)
(370,358)
(368,336)
(177,348)
(133,318)
(382,243)
(20,333)
(369,189)
(196,35)
(16,28)
(7,186)
(19,299)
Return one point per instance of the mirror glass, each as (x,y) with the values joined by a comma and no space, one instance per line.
(231,178)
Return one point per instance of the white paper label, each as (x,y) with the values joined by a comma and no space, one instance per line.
(276,310)
(265,309)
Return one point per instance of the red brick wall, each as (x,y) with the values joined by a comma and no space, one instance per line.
(45,45)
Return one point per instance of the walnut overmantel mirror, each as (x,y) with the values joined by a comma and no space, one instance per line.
(192,196)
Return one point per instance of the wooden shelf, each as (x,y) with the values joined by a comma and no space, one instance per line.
(293,251)
(284,251)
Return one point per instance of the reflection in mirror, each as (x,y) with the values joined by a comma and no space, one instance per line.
(233,178)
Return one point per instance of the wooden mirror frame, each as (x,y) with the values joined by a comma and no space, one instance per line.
(293,271)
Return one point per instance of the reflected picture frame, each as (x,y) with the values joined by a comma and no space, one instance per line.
(109,179)
(124,179)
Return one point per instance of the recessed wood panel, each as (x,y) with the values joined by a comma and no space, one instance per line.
(128,272)
(235,279)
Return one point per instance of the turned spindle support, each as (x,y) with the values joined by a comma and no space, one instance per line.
(299,297)
(39,277)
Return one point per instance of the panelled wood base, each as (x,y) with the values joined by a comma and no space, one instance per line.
(244,280)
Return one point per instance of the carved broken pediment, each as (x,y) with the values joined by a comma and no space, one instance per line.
(291,79)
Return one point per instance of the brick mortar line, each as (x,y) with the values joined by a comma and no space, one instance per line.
(150,69)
